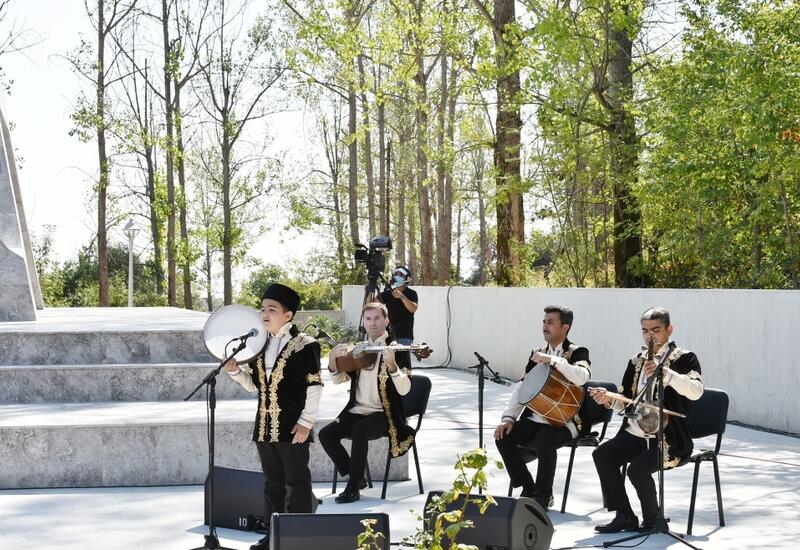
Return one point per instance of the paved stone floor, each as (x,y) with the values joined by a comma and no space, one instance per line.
(760,483)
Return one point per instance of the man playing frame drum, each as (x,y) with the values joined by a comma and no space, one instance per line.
(519,424)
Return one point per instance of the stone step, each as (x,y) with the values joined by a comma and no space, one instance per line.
(96,383)
(85,336)
(143,444)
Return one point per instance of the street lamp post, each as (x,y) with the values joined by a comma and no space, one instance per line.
(130,230)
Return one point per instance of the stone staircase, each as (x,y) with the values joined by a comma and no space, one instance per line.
(93,397)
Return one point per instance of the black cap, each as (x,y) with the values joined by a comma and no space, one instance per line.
(284,295)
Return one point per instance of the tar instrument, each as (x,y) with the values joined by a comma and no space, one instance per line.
(363,355)
(230,325)
(546,392)
(647,416)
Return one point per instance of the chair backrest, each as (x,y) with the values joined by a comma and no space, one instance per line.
(415,402)
(592,411)
(709,414)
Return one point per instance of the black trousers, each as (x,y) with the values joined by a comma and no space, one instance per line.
(546,440)
(642,454)
(288,479)
(360,428)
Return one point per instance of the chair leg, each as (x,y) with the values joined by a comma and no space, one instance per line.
(510,488)
(419,473)
(386,473)
(369,474)
(335,479)
(694,495)
(566,483)
(719,493)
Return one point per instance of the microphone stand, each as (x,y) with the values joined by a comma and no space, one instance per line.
(212,542)
(482,363)
(660,523)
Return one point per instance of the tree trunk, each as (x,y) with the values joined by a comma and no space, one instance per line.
(367,150)
(483,236)
(383,206)
(421,119)
(411,245)
(789,237)
(155,230)
(185,255)
(624,144)
(443,228)
(171,269)
(352,177)
(510,214)
(102,188)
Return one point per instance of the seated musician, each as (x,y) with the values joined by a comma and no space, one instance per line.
(572,362)
(632,445)
(375,407)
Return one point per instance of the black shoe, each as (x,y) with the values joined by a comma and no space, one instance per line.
(363,485)
(544,501)
(529,491)
(660,524)
(348,495)
(619,523)
(262,544)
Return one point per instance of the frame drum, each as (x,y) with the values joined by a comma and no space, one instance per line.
(546,392)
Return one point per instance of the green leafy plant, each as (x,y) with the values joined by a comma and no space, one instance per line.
(439,526)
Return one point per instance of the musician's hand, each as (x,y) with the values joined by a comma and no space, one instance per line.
(231,366)
(541,358)
(600,397)
(649,368)
(397,294)
(503,429)
(389,358)
(336,352)
(301,433)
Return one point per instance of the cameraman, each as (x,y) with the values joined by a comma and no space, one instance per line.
(401,302)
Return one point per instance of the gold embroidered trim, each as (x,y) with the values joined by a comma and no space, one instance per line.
(397,448)
(262,400)
(274,409)
(694,375)
(669,462)
(311,378)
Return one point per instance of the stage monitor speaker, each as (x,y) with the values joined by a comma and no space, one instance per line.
(238,499)
(514,524)
(323,531)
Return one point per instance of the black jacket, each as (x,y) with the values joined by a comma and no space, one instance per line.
(678,442)
(282,396)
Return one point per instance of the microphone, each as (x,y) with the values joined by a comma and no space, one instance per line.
(480,358)
(253,332)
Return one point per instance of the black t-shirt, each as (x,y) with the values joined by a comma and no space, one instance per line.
(400,318)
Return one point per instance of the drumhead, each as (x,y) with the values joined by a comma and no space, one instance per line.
(533,383)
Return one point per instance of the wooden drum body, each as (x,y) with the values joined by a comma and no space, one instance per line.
(546,392)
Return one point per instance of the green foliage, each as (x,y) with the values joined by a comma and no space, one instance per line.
(76,283)
(722,182)
(471,476)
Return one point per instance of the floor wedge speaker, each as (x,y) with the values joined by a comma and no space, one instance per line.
(238,499)
(323,531)
(514,524)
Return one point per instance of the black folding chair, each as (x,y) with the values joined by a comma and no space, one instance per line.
(708,416)
(591,412)
(415,403)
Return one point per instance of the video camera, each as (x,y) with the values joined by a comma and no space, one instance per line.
(373,257)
